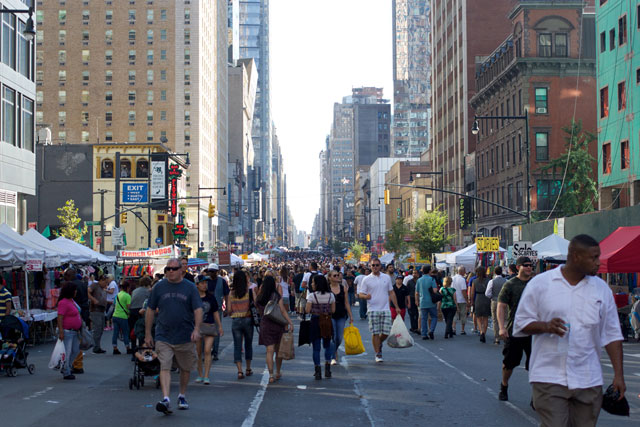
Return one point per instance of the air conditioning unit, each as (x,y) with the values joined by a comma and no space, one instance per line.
(541,110)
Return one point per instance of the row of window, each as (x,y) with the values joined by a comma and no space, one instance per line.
(108,15)
(108,136)
(108,76)
(607,161)
(509,196)
(108,36)
(622,33)
(18,127)
(508,154)
(553,44)
(132,96)
(17,51)
(126,171)
(108,55)
(512,109)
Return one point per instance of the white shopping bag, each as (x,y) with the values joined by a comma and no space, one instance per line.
(58,357)
(399,336)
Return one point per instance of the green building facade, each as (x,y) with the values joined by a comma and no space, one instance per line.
(618,71)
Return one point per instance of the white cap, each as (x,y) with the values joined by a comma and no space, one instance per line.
(213,267)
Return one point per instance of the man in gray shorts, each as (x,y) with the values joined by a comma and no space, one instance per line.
(177,329)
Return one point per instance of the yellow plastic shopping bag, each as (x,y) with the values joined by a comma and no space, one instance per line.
(352,341)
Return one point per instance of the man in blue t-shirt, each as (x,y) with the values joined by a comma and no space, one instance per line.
(427,306)
(177,329)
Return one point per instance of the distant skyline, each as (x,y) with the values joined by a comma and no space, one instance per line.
(317,57)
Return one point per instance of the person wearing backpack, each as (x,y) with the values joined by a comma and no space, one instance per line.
(321,304)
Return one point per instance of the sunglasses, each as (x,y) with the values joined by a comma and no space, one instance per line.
(375,265)
(172,268)
(527,265)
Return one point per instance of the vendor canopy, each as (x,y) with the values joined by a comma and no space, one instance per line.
(10,252)
(14,240)
(77,249)
(38,239)
(465,257)
(552,247)
(620,251)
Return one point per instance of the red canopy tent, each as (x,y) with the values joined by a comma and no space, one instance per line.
(620,251)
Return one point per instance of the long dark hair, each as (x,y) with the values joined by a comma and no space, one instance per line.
(284,273)
(68,290)
(267,289)
(239,284)
(320,284)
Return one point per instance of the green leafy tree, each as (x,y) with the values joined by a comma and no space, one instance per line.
(357,250)
(68,216)
(395,237)
(429,236)
(579,189)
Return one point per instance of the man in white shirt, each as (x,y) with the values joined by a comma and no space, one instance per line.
(572,315)
(459,283)
(409,275)
(358,281)
(377,289)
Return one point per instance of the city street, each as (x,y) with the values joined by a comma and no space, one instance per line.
(441,382)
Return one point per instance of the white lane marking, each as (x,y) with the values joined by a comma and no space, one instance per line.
(607,364)
(302,387)
(631,355)
(257,400)
(636,374)
(52,401)
(38,393)
(357,388)
(509,404)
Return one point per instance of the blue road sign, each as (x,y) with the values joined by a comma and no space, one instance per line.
(158,240)
(135,192)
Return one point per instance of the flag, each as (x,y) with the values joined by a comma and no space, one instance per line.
(47,232)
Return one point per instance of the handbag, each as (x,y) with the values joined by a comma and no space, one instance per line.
(304,336)
(209,329)
(435,297)
(255,314)
(286,350)
(273,313)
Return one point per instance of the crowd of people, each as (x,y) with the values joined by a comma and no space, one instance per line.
(181,314)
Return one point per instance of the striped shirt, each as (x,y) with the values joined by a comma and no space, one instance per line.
(5,296)
(239,306)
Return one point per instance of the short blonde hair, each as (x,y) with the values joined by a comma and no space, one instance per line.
(447,281)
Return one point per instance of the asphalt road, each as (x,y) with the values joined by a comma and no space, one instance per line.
(441,382)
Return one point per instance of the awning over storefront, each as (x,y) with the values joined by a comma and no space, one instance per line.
(620,251)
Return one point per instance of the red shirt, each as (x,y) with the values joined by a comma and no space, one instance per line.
(71,316)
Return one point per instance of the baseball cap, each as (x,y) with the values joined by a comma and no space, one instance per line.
(523,260)
(213,267)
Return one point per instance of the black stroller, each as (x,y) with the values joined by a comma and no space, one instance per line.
(13,346)
(149,366)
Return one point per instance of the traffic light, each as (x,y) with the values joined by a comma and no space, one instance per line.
(368,237)
(387,197)
(212,210)
(123,218)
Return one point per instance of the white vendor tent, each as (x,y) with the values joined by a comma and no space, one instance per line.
(387,258)
(465,257)
(80,250)
(258,257)
(10,252)
(33,251)
(38,239)
(236,260)
(552,247)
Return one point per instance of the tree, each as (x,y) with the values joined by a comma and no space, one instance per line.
(70,220)
(579,189)
(356,250)
(395,237)
(429,236)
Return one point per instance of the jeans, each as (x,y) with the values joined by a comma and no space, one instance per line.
(326,344)
(363,308)
(120,324)
(413,316)
(242,327)
(216,340)
(449,314)
(338,331)
(72,348)
(97,327)
(352,298)
(424,312)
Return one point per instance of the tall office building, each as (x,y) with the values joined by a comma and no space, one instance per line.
(411,77)
(461,30)
(254,43)
(17,81)
(140,73)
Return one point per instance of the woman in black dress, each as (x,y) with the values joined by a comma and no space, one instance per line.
(481,304)
(271,332)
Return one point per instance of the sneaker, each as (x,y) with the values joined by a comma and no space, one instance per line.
(164,407)
(116,351)
(431,336)
(69,377)
(99,351)
(206,381)
(215,357)
(182,403)
(199,379)
(379,358)
(503,395)
(425,337)
(463,333)
(334,362)
(77,371)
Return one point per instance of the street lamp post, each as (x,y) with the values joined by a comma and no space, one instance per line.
(30,30)
(476,129)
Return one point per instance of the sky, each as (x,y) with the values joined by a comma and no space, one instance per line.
(319,51)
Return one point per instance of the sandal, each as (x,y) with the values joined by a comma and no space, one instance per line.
(249,372)
(271,380)
(240,375)
(278,376)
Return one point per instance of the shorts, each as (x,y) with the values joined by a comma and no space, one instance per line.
(185,355)
(513,349)
(379,322)
(462,311)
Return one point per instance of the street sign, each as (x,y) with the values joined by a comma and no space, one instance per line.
(98,233)
(91,223)
(137,192)
(224,257)
(158,240)
(33,265)
(487,244)
(180,231)
(117,236)
(523,248)
(33,225)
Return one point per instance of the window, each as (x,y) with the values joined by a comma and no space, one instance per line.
(510,196)
(560,46)
(108,116)
(108,15)
(142,166)
(603,41)
(187,75)
(150,35)
(62,117)
(163,134)
(9,115)
(513,149)
(62,57)
(132,116)
(108,55)
(106,170)
(62,76)
(132,95)
(9,39)
(108,36)
(85,36)
(187,135)
(85,76)
(612,39)
(39,96)
(62,36)
(187,54)
(149,96)
(163,75)
(108,76)
(62,16)
(187,116)
(132,136)
(84,96)
(163,54)
(541,100)
(163,95)
(149,137)
(544,44)
(132,55)
(542,146)
(27,124)
(163,35)
(24,52)
(132,15)
(163,115)
(547,192)
(638,76)
(86,55)
(149,115)
(62,136)
(108,96)
(132,35)
(149,14)
(622,96)
(624,155)
(125,168)
(606,158)
(187,14)
(84,117)
(132,75)
(150,76)
(108,136)
(622,30)
(85,15)
(187,95)
(187,35)
(604,102)
(150,55)
(84,136)
(163,14)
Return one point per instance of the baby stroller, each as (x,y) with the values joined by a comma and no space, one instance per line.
(14,334)
(149,366)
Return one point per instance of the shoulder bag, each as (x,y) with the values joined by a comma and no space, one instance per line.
(273,313)
(255,315)
(435,297)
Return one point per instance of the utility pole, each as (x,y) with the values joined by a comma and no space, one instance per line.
(101,192)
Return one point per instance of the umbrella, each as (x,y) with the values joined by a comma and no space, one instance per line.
(196,261)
